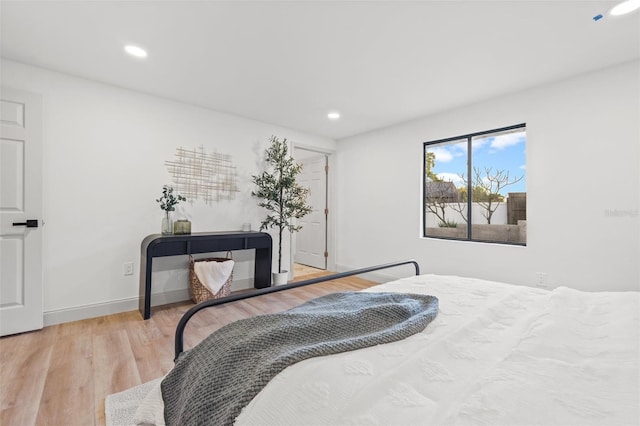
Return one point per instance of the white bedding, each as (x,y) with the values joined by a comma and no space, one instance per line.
(496,355)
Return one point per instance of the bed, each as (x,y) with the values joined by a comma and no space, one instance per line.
(495,354)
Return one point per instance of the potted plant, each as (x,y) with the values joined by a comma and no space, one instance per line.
(281,195)
(168,202)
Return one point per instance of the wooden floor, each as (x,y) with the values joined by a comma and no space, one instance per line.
(61,375)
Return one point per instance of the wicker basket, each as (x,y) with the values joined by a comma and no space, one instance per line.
(198,291)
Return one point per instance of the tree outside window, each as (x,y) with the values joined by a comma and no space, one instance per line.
(491,167)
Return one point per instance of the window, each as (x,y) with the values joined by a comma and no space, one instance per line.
(478,180)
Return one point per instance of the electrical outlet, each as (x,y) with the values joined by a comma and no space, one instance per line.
(542,279)
(127,268)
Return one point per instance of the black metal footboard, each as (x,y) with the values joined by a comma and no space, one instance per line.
(179,339)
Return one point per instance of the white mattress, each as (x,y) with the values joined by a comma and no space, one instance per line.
(496,355)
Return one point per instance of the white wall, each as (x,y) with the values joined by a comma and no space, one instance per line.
(104,154)
(583,138)
(105,148)
(457,212)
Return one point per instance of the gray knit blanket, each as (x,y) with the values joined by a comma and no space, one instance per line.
(211,383)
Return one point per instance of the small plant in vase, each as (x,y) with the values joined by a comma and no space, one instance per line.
(280,194)
(168,202)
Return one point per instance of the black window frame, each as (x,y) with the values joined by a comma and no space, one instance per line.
(469,137)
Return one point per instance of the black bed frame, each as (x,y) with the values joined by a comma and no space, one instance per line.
(179,339)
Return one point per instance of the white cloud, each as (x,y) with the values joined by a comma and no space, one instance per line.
(461,147)
(507,140)
(442,154)
(447,153)
(523,167)
(479,143)
(451,177)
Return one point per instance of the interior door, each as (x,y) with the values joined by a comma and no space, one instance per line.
(311,240)
(20,212)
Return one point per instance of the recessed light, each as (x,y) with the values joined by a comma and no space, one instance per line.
(136,51)
(333,115)
(625,7)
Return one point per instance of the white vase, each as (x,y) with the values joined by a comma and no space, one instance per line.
(280,278)
(167,224)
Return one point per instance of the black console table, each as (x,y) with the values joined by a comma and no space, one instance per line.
(157,245)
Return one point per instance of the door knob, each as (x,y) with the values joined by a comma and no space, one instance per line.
(30,223)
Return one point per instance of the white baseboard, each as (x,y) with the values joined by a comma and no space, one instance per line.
(78,313)
(377,277)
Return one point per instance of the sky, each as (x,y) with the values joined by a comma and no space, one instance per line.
(504,152)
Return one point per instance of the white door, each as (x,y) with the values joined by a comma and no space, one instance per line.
(311,240)
(20,205)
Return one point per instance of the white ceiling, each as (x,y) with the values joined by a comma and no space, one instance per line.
(291,62)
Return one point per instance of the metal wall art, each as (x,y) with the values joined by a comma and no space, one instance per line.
(198,175)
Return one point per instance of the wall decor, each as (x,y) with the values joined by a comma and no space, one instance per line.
(203,176)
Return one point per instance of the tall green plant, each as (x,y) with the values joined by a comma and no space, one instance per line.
(281,195)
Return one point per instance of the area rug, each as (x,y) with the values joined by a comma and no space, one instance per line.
(120,408)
